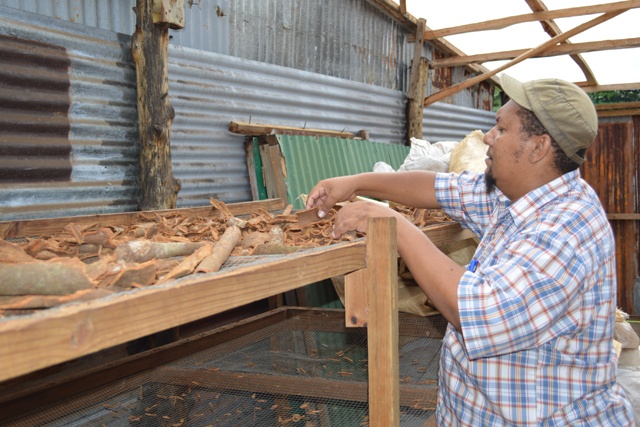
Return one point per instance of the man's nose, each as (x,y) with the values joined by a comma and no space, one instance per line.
(488,137)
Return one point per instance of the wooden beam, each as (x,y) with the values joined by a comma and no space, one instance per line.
(169,12)
(551,28)
(617,86)
(149,48)
(530,53)
(382,332)
(288,385)
(257,129)
(496,24)
(409,22)
(39,227)
(619,113)
(417,86)
(624,217)
(617,106)
(563,49)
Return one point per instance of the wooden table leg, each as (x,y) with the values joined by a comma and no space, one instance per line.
(382,294)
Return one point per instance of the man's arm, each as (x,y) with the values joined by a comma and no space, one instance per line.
(411,188)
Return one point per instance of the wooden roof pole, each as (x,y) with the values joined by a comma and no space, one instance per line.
(553,30)
(496,24)
(417,86)
(149,48)
(530,53)
(562,49)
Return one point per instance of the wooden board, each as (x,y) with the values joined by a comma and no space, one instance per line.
(38,227)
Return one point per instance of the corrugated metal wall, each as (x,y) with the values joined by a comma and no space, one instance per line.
(97,172)
(207,90)
(349,39)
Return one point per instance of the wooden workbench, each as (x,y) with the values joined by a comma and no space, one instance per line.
(33,342)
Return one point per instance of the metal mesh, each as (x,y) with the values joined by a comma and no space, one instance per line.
(302,371)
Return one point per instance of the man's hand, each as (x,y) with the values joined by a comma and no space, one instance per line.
(354,217)
(328,192)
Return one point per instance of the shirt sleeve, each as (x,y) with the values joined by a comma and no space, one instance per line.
(463,197)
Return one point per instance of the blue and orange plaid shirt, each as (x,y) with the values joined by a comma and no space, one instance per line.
(538,312)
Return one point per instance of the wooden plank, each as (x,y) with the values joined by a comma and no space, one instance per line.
(309,387)
(624,217)
(38,227)
(279,171)
(68,332)
(563,49)
(448,232)
(496,24)
(382,332)
(257,129)
(619,113)
(615,86)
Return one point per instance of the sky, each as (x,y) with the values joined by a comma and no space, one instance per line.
(609,67)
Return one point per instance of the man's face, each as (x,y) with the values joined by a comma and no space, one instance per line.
(506,146)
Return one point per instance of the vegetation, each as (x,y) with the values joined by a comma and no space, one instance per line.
(605,97)
(615,96)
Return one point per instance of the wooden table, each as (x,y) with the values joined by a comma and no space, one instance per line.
(33,342)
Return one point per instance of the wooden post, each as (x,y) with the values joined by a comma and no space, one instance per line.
(355,299)
(382,333)
(149,47)
(417,85)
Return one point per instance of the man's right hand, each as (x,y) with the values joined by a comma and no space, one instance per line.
(326,193)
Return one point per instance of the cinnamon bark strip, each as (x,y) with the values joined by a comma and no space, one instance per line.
(11,253)
(143,250)
(61,276)
(188,265)
(221,251)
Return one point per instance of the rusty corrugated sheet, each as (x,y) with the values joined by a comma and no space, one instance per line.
(69,125)
(611,168)
(34,106)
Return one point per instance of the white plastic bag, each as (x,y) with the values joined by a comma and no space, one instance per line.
(426,156)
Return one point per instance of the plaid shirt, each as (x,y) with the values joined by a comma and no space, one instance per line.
(537,315)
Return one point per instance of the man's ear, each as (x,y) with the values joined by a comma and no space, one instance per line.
(541,148)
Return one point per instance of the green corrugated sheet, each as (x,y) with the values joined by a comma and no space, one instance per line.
(309,159)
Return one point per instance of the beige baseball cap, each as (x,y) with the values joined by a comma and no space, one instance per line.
(563,108)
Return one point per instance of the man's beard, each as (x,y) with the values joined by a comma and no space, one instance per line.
(489,181)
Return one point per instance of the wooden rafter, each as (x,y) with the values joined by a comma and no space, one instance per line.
(496,24)
(551,28)
(555,46)
(562,49)
(410,22)
(529,54)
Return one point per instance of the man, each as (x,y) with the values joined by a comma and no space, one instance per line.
(529,341)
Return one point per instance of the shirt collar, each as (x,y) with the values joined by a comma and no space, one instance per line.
(522,208)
